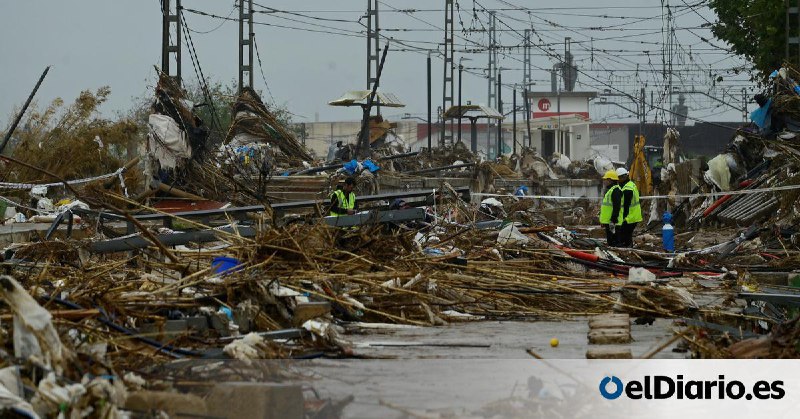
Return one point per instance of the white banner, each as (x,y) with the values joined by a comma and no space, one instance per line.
(526,388)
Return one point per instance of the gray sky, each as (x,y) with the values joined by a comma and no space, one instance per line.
(92,43)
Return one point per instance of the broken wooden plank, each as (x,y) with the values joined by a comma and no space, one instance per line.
(307,311)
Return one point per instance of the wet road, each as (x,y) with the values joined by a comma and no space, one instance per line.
(460,369)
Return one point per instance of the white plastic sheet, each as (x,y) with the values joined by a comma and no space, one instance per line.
(719,172)
(9,399)
(167,141)
(602,165)
(34,334)
(252,346)
(640,276)
(510,235)
(51,395)
(561,161)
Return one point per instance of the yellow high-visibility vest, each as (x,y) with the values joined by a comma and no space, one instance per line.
(607,206)
(346,203)
(635,210)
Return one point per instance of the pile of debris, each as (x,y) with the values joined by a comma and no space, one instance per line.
(104,310)
(257,139)
(432,160)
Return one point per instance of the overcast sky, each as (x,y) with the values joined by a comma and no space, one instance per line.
(91,43)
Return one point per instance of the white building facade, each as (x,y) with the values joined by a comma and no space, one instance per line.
(560,123)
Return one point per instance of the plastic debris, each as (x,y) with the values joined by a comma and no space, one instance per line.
(34,334)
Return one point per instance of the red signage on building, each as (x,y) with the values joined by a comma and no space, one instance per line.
(544,104)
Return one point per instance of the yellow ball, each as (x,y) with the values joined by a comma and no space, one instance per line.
(554,342)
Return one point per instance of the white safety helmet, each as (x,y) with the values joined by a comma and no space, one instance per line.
(622,172)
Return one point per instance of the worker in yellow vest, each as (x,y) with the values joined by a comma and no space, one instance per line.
(630,212)
(610,205)
(343,199)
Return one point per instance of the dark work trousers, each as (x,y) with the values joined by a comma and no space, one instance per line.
(611,238)
(625,234)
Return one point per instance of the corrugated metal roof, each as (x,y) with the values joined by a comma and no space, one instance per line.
(472,111)
(359,97)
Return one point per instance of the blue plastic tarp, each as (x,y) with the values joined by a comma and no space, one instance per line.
(760,115)
(351,166)
(371,166)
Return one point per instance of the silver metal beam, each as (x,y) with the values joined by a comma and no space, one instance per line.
(375,217)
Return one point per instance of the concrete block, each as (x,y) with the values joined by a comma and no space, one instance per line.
(244,315)
(220,323)
(611,321)
(256,400)
(176,405)
(618,316)
(197,323)
(308,311)
(609,336)
(609,352)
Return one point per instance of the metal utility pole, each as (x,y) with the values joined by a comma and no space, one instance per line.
(492,70)
(363,142)
(170,21)
(566,68)
(514,119)
(667,62)
(642,111)
(492,60)
(373,46)
(449,67)
(245,45)
(526,81)
(430,127)
(793,31)
(527,115)
(526,66)
(500,110)
(744,104)
(473,129)
(460,79)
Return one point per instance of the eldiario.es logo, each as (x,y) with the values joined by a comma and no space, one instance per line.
(663,387)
